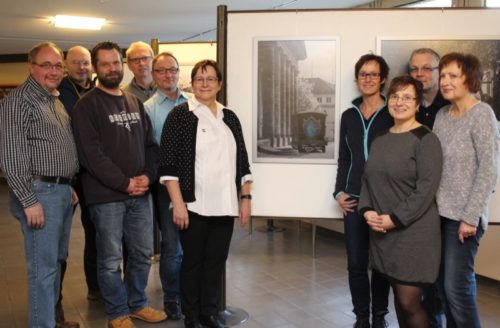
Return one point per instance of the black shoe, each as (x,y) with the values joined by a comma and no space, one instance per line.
(95,296)
(59,312)
(211,321)
(192,323)
(67,324)
(379,322)
(173,310)
(362,322)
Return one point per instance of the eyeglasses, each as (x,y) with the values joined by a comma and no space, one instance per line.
(49,66)
(172,70)
(404,99)
(139,59)
(425,69)
(364,75)
(451,76)
(209,80)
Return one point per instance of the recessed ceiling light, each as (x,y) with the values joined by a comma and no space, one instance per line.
(78,22)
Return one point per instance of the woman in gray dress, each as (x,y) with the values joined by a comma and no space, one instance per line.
(398,202)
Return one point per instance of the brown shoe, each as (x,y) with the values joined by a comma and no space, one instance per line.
(149,314)
(121,322)
(67,324)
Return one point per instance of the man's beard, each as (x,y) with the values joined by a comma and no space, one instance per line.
(111,82)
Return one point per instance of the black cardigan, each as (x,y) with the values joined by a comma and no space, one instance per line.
(178,148)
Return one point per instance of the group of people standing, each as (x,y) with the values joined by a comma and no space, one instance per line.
(69,139)
(417,169)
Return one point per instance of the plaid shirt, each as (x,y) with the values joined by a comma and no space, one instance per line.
(35,139)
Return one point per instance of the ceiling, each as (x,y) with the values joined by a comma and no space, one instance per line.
(24,23)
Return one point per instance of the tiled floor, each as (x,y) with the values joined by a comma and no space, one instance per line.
(271,276)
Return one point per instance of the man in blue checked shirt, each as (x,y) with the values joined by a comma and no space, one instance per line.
(166,97)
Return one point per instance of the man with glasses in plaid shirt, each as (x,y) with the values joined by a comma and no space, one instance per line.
(39,158)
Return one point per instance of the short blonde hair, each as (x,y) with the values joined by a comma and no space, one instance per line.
(136,45)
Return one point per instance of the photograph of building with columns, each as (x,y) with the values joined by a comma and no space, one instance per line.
(295,114)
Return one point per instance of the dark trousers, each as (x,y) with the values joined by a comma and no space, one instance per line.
(362,290)
(432,305)
(206,246)
(89,252)
(90,249)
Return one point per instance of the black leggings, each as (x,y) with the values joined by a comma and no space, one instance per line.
(409,309)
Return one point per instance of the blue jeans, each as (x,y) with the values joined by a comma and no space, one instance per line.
(457,279)
(131,221)
(357,245)
(45,249)
(171,250)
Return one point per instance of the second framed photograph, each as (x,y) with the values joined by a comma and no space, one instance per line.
(295,100)
(397,52)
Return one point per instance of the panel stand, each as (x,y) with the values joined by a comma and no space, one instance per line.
(228,315)
(270,227)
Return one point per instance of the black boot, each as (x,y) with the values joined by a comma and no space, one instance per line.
(379,322)
(211,321)
(192,323)
(362,322)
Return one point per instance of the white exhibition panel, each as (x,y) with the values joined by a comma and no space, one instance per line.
(305,190)
(188,54)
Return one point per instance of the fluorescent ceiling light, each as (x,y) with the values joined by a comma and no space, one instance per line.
(84,23)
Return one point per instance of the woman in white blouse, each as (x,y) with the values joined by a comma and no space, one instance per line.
(204,164)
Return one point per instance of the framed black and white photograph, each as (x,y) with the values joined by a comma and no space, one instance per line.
(295,100)
(397,54)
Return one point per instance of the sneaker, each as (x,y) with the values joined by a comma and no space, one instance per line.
(173,310)
(379,322)
(362,322)
(121,322)
(149,314)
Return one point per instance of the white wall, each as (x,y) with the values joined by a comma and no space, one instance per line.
(304,190)
(15,73)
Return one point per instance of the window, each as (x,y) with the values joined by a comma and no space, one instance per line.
(492,3)
(328,100)
(319,99)
(430,4)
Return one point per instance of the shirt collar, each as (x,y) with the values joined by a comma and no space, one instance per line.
(151,87)
(37,88)
(194,104)
(162,97)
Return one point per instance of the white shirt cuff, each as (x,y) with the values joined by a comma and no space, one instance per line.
(165,178)
(246,178)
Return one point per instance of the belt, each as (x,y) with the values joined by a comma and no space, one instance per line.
(56,180)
